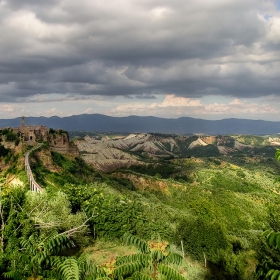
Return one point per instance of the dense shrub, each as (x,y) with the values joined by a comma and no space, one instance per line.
(206,151)
(3,151)
(202,237)
(165,170)
(236,185)
(230,143)
(11,137)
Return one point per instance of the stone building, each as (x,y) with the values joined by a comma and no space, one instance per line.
(59,142)
(31,133)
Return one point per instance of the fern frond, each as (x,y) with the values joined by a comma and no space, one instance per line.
(141,276)
(57,243)
(53,246)
(50,236)
(98,278)
(273,238)
(142,258)
(29,245)
(69,269)
(173,258)
(83,258)
(140,244)
(127,269)
(87,266)
(12,275)
(170,272)
(96,272)
(277,241)
(273,274)
(50,275)
(84,264)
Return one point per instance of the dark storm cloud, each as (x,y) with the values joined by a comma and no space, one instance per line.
(139,48)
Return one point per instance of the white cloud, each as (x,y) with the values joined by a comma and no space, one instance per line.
(274,30)
(181,106)
(173,101)
(10,110)
(51,112)
(236,101)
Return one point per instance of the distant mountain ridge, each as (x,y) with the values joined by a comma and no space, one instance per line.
(132,124)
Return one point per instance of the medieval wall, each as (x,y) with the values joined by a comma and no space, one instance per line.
(59,142)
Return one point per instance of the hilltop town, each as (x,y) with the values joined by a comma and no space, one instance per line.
(30,134)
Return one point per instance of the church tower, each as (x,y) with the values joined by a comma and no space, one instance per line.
(22,121)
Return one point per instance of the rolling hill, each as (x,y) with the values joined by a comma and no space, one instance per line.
(132,124)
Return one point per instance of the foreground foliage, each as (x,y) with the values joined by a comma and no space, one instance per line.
(37,257)
(270,263)
(154,261)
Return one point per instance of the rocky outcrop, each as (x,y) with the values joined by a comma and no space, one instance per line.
(198,142)
(274,141)
(109,154)
(236,146)
(102,156)
(59,142)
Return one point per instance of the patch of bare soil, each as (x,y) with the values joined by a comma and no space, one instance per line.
(198,142)
(46,158)
(209,139)
(144,183)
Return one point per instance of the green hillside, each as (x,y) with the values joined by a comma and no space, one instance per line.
(212,209)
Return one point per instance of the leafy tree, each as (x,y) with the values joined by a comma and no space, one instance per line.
(155,260)
(11,137)
(74,268)
(30,247)
(41,258)
(52,211)
(37,257)
(13,224)
(81,268)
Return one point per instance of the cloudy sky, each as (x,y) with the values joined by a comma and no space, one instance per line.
(167,58)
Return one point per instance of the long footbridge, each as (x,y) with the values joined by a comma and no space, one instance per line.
(34,186)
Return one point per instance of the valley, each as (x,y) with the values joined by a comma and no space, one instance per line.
(213,195)
(109,153)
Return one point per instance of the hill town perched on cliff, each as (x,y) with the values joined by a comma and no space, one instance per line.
(30,134)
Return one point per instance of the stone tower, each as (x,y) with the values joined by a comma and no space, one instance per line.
(22,121)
